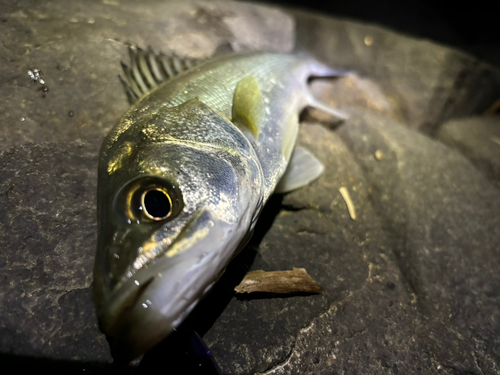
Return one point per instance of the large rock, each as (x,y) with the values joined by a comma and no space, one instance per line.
(407,287)
(411,285)
(47,195)
(78,48)
(478,138)
(428,83)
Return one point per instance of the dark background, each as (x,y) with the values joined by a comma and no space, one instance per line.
(472,26)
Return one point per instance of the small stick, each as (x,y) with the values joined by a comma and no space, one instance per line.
(283,282)
(347,198)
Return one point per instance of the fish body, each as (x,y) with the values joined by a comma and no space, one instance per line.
(182,180)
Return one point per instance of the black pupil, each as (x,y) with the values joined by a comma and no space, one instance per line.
(157,204)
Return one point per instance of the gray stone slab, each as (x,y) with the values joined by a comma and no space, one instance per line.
(47,195)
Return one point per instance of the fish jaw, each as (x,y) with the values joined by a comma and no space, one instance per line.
(147,307)
(207,164)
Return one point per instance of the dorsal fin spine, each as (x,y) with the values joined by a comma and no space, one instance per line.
(177,64)
(132,84)
(154,66)
(131,96)
(148,69)
(166,65)
(145,69)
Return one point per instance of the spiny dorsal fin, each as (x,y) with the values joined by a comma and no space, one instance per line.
(149,69)
(247,105)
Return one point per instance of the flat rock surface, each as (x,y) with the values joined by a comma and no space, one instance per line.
(410,286)
(47,193)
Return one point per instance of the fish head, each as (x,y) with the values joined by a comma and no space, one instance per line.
(178,193)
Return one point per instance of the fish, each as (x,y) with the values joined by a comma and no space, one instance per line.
(183,177)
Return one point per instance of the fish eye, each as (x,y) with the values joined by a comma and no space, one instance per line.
(148,199)
(156,204)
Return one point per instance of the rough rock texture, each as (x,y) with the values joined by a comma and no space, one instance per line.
(412,286)
(407,287)
(428,83)
(478,138)
(47,194)
(78,48)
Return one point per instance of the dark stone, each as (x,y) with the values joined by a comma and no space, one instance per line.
(426,83)
(412,229)
(411,286)
(477,138)
(78,49)
(48,238)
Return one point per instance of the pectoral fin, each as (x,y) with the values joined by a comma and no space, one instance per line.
(247,105)
(303,168)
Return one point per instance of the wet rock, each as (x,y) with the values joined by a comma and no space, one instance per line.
(477,138)
(78,49)
(426,82)
(406,285)
(410,286)
(47,195)
(443,215)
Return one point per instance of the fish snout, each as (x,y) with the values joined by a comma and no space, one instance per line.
(147,307)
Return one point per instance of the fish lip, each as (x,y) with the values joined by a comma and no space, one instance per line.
(121,315)
(123,299)
(110,323)
(116,318)
(122,291)
(118,322)
(186,277)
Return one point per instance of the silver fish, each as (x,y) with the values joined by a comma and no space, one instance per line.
(183,178)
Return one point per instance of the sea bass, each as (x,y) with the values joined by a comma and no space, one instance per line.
(183,178)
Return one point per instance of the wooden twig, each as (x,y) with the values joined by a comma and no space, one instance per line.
(348,201)
(283,282)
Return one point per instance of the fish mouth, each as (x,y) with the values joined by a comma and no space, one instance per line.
(111,323)
(147,307)
(145,311)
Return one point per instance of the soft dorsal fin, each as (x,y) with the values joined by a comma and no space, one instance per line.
(148,69)
(303,168)
(247,105)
